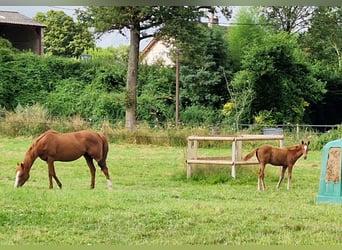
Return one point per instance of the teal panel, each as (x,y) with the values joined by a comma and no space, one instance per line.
(329,191)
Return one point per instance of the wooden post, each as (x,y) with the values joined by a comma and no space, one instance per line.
(233,158)
(177,88)
(189,156)
(239,150)
(195,149)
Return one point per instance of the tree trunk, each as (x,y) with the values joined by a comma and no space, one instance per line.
(131,85)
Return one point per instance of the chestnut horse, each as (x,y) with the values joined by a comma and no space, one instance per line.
(52,146)
(285,157)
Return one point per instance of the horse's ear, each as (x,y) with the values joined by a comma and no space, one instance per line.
(302,142)
(308,142)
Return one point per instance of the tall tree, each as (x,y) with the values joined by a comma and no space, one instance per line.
(142,22)
(324,37)
(323,44)
(282,79)
(63,36)
(249,29)
(292,19)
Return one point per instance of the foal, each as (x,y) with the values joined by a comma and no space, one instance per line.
(285,157)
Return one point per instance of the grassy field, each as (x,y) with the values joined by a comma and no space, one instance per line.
(152,203)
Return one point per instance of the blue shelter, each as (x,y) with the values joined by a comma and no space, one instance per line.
(330,186)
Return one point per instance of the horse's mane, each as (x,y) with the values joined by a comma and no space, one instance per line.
(294,147)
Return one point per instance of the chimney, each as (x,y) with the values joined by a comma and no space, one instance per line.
(212,20)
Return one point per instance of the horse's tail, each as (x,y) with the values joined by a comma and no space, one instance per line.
(105,149)
(250,155)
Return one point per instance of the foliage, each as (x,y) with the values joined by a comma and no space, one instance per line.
(331,135)
(323,41)
(291,19)
(282,79)
(250,30)
(202,81)
(197,115)
(63,36)
(4,43)
(156,92)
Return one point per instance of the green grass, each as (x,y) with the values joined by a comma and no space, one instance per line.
(152,203)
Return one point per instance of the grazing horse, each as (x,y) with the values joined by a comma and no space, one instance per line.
(285,157)
(52,146)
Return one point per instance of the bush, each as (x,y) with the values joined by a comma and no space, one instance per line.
(25,121)
(331,135)
(200,115)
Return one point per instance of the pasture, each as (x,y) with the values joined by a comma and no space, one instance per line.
(152,203)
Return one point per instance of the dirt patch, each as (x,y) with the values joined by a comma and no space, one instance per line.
(334,165)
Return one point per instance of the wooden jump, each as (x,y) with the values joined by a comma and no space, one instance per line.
(236,159)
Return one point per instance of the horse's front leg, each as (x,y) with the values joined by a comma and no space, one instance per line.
(282,174)
(52,173)
(289,176)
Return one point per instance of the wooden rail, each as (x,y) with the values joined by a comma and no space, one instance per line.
(236,159)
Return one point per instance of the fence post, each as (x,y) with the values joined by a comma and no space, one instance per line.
(189,156)
(233,174)
(239,150)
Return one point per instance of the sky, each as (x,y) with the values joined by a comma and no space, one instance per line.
(114,39)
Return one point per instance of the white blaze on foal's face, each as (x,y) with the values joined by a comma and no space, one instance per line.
(305,148)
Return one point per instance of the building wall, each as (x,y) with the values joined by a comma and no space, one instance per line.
(158,53)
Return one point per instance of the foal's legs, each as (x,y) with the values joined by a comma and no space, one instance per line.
(261,181)
(52,173)
(282,173)
(91,168)
(289,176)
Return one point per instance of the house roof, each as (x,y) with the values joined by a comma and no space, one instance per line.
(148,47)
(13,17)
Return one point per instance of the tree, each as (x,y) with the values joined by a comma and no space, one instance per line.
(63,36)
(203,81)
(323,44)
(291,19)
(250,29)
(282,79)
(324,37)
(142,22)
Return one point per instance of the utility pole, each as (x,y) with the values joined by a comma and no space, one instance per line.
(177,87)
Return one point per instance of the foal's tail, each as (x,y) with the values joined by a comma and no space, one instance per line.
(105,148)
(250,155)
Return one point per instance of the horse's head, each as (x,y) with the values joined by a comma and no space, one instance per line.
(305,148)
(21,175)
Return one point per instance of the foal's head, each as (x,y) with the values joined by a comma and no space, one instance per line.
(21,175)
(305,148)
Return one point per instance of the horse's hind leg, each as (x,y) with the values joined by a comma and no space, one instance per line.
(282,173)
(105,171)
(261,181)
(92,169)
